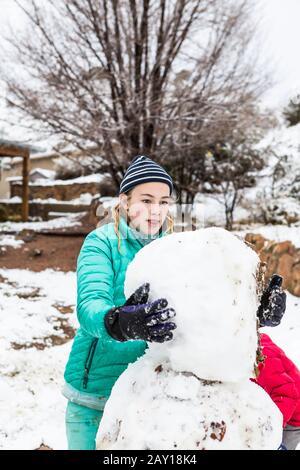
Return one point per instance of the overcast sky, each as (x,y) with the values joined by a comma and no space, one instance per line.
(279,22)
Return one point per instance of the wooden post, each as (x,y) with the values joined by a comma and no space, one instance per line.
(25,188)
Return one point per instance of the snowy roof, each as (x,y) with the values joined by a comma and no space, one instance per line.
(14,178)
(50,174)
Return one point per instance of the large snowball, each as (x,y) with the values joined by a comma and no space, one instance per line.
(153,407)
(208,276)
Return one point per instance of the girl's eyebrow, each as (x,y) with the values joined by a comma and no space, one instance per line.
(150,195)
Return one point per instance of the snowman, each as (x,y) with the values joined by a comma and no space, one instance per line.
(195,392)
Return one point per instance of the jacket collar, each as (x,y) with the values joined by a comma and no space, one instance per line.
(136,237)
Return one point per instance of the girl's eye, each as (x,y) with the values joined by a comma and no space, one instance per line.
(148,201)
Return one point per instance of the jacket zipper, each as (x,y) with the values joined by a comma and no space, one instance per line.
(88,362)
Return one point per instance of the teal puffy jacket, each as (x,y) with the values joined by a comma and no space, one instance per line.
(96,360)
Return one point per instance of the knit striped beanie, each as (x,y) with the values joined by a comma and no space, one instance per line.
(144,170)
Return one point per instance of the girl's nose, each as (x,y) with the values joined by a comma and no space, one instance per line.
(155,209)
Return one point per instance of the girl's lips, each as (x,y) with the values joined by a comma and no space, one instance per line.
(153,222)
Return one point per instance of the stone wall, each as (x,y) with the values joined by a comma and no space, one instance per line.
(282,258)
(60,192)
(37,209)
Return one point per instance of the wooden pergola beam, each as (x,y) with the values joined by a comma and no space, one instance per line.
(12,149)
(7,150)
(25,187)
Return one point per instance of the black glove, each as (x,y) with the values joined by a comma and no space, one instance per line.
(140,319)
(272,303)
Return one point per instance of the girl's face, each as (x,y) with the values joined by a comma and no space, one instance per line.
(147,206)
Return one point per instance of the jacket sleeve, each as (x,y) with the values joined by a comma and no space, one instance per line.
(95,285)
(281,387)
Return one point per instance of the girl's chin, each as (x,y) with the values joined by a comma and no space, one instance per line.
(150,229)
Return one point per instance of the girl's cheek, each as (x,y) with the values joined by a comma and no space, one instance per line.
(136,212)
(134,215)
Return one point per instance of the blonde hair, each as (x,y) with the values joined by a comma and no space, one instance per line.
(117,213)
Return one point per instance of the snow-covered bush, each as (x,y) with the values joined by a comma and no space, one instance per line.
(276,199)
(278,210)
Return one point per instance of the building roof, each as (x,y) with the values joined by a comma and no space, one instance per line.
(49,174)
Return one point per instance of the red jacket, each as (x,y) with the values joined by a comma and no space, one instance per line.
(280,378)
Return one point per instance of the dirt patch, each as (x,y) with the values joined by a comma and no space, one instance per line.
(32,293)
(58,252)
(44,447)
(64,308)
(67,332)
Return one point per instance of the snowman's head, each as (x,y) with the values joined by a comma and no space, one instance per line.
(209,277)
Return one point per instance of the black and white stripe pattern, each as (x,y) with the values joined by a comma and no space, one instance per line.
(144,170)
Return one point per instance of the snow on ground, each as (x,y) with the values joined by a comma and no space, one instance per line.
(31,405)
(60,222)
(9,240)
